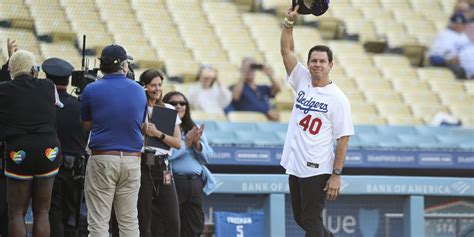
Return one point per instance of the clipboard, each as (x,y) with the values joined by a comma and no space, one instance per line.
(164,120)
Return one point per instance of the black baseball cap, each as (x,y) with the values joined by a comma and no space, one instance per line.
(58,70)
(114,54)
(315,7)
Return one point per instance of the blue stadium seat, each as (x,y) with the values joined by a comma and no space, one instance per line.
(355,142)
(379,140)
(432,130)
(236,126)
(221,137)
(269,138)
(365,129)
(395,130)
(209,125)
(271,126)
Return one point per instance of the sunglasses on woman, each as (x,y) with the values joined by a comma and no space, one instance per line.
(174,103)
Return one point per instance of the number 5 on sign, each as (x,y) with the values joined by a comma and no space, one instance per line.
(311,124)
(240,230)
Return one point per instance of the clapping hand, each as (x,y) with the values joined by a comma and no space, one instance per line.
(190,137)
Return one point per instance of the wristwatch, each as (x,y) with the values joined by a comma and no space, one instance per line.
(337,171)
(162,136)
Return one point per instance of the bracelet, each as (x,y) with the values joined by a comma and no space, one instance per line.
(287,23)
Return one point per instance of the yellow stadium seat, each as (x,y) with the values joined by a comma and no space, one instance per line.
(285,116)
(414,96)
(446,86)
(462,110)
(387,61)
(403,120)
(427,109)
(203,116)
(386,109)
(435,73)
(407,85)
(363,107)
(372,119)
(384,95)
(246,116)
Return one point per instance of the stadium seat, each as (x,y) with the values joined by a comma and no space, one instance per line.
(236,126)
(431,73)
(272,126)
(268,138)
(365,129)
(204,116)
(222,137)
(246,116)
(403,120)
(396,130)
(364,118)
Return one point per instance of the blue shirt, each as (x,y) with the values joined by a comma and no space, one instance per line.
(254,100)
(116,106)
(188,160)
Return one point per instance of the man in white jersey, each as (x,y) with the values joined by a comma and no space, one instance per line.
(321,114)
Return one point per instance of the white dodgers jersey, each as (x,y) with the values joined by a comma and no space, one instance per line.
(319,116)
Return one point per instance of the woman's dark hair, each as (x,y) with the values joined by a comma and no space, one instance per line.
(187,122)
(321,48)
(147,76)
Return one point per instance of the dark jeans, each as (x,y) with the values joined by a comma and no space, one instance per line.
(158,213)
(307,202)
(64,205)
(191,199)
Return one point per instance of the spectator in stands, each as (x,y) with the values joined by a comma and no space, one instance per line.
(116,141)
(248,96)
(209,95)
(191,176)
(467,9)
(68,184)
(4,72)
(466,60)
(156,194)
(321,114)
(28,118)
(449,43)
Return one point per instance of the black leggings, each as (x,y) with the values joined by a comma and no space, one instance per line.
(307,202)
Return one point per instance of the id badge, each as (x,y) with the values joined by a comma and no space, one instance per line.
(167,176)
(150,159)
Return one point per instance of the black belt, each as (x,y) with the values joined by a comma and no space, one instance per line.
(187,176)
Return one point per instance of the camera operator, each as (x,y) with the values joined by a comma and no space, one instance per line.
(113,170)
(248,96)
(67,189)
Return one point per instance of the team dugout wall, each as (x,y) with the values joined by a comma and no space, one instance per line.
(369,206)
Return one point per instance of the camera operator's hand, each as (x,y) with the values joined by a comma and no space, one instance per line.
(12,47)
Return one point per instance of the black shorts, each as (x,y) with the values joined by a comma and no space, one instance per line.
(32,155)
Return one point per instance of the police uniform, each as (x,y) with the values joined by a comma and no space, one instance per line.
(67,188)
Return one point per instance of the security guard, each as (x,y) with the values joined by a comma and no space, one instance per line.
(68,185)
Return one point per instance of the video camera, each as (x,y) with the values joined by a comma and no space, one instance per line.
(80,78)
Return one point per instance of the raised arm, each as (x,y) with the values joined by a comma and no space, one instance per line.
(287,47)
